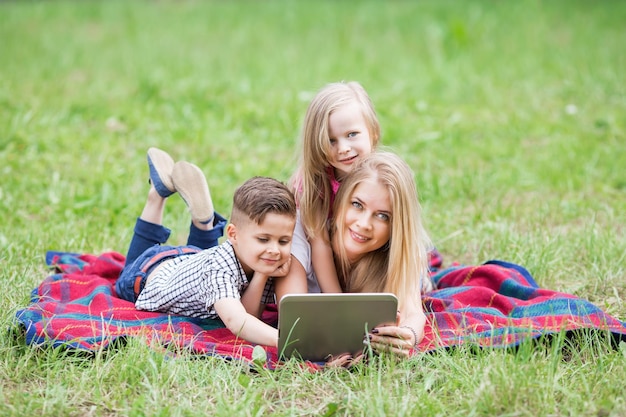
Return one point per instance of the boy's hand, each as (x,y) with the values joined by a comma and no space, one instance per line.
(283,269)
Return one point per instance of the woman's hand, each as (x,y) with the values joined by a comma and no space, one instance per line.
(402,337)
(392,339)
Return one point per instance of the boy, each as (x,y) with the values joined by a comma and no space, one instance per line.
(231,281)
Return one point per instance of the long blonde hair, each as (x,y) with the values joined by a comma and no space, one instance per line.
(399,266)
(310,181)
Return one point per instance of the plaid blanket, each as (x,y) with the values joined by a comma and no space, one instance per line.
(496,304)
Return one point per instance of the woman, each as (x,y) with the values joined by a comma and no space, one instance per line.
(379,245)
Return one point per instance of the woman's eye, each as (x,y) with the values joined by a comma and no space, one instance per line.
(356,204)
(384,216)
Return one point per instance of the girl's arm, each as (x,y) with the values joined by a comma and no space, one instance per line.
(244,325)
(324,265)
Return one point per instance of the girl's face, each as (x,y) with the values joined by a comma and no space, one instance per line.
(349,138)
(367,219)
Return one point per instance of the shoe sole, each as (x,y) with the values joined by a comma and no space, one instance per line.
(190,182)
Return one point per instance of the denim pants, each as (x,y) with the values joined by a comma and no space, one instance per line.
(146,251)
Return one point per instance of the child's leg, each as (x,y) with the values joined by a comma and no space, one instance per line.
(204,236)
(148,229)
(149,233)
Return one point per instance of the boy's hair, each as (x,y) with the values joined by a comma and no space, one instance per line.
(258,196)
(310,180)
(399,266)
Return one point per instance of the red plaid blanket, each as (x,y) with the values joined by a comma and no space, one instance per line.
(496,304)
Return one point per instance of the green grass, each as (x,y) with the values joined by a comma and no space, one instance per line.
(510,113)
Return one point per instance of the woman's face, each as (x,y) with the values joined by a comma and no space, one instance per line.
(367,219)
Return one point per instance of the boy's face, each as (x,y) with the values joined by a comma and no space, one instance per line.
(349,138)
(262,247)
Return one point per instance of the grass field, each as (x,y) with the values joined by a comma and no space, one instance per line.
(511,113)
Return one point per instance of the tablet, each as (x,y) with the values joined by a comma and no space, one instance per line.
(316,326)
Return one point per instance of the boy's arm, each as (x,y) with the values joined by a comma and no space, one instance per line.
(251,297)
(244,325)
(324,265)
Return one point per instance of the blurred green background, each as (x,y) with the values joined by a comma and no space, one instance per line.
(511,113)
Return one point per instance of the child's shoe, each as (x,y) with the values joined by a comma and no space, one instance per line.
(191,184)
(161,165)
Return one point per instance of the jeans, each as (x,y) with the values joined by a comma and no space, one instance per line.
(146,251)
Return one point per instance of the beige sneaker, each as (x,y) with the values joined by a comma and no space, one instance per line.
(191,184)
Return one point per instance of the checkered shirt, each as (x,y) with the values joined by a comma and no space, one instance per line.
(190,284)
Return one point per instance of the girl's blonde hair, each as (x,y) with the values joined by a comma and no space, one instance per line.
(310,181)
(400,266)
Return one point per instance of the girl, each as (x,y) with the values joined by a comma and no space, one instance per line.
(380,245)
(340,127)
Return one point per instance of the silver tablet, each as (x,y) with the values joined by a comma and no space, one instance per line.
(315,326)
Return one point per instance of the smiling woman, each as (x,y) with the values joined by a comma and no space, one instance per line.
(379,244)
